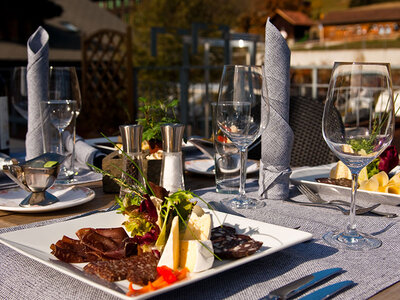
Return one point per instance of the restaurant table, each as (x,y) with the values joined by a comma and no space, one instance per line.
(104,200)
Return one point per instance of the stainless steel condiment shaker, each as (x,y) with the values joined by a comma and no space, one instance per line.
(171,177)
(132,162)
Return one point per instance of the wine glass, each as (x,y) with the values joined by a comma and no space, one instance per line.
(358,128)
(241,100)
(19,91)
(64,85)
(60,113)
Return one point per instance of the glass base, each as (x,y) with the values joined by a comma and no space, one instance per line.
(355,240)
(65,176)
(243,202)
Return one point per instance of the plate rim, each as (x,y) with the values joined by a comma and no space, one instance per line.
(256,162)
(301,236)
(51,208)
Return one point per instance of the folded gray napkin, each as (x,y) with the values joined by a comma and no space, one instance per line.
(277,139)
(84,153)
(37,78)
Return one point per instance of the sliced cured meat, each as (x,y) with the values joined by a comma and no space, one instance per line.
(95,244)
(145,269)
(229,245)
(110,270)
(138,269)
(72,251)
(222,230)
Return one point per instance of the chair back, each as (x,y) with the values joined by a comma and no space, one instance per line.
(309,146)
(107,81)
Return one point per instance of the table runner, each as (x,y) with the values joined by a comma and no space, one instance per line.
(24,278)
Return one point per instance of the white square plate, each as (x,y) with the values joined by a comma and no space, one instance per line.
(35,243)
(308,175)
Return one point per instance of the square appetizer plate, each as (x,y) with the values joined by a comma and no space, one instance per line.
(308,175)
(35,243)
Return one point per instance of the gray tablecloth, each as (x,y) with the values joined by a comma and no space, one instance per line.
(23,278)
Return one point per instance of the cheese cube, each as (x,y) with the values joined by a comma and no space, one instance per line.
(170,255)
(195,256)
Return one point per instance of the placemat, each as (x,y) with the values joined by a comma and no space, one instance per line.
(372,270)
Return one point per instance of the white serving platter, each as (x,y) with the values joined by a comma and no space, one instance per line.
(308,175)
(35,243)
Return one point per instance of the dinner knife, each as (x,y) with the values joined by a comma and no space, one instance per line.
(329,291)
(293,288)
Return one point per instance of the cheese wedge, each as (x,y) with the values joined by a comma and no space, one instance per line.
(395,179)
(170,255)
(363,175)
(198,228)
(394,189)
(342,171)
(195,256)
(346,148)
(382,177)
(198,210)
(371,184)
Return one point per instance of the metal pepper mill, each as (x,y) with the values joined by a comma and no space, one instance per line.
(171,177)
(133,159)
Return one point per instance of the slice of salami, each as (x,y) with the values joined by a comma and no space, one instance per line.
(222,231)
(229,245)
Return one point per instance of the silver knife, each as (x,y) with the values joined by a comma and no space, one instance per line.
(293,288)
(329,291)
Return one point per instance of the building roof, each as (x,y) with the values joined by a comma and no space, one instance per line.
(364,14)
(296,18)
(65,31)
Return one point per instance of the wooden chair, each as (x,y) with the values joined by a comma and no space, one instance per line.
(309,146)
(107,82)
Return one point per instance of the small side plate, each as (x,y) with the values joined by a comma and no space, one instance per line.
(69,196)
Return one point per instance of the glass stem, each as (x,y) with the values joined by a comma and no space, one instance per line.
(351,227)
(243,172)
(74,141)
(60,131)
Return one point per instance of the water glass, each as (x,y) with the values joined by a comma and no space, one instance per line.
(226,160)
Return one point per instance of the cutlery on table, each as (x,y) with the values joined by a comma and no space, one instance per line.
(295,287)
(329,291)
(111,208)
(359,211)
(315,198)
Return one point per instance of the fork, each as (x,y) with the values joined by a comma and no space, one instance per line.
(111,208)
(359,211)
(315,198)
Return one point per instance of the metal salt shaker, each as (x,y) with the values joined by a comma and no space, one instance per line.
(171,177)
(132,146)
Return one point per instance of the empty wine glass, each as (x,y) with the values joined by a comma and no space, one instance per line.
(60,113)
(19,91)
(241,100)
(64,86)
(357,128)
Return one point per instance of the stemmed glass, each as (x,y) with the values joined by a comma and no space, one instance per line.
(19,91)
(60,114)
(64,87)
(358,128)
(241,100)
